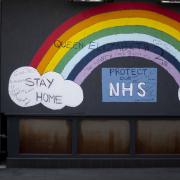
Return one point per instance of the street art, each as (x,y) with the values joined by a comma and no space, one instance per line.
(129,84)
(85,41)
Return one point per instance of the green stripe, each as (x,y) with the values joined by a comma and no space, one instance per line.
(116,30)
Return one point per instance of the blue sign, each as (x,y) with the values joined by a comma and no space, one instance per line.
(129,84)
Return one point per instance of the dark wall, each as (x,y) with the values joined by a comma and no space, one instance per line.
(26,24)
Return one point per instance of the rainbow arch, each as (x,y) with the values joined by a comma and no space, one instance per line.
(116,30)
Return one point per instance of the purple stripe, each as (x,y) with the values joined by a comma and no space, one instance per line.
(127,53)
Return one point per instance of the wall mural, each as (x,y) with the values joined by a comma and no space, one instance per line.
(85,41)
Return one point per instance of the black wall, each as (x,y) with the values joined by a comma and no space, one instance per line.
(26,24)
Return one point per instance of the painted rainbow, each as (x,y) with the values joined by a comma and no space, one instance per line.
(120,30)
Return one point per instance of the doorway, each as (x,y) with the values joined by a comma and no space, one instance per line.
(3,140)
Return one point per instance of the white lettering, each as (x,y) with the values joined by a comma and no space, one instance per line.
(141,91)
(127,89)
(114,91)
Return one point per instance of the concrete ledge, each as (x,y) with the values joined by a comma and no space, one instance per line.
(91,163)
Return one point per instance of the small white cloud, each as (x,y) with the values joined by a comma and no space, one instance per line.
(22,94)
(28,88)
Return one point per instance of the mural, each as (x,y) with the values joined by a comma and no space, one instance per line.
(94,36)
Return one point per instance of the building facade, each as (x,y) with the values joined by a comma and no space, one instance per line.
(91,84)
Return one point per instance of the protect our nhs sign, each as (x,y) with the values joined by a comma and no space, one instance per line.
(129,84)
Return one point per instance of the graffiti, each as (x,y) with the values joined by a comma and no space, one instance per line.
(87,40)
(74,45)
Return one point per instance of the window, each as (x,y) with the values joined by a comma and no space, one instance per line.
(45,136)
(158,137)
(104,137)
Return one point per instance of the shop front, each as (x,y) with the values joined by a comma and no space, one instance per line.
(91,84)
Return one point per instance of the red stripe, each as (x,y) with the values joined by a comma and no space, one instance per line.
(92,12)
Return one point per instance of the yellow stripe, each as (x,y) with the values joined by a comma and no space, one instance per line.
(108,24)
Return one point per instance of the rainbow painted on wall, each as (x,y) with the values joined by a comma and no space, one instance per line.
(119,30)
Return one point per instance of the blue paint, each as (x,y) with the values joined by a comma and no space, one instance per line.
(121,45)
(129,84)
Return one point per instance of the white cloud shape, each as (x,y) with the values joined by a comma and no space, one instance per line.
(28,88)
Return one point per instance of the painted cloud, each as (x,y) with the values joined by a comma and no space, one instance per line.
(28,88)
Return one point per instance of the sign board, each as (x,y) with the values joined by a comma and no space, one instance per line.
(129,84)
(170,1)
